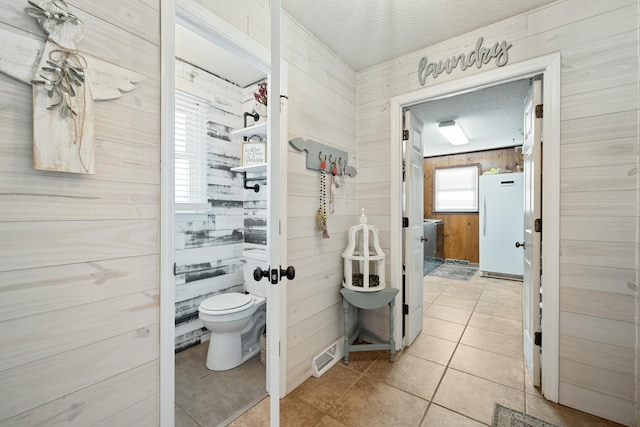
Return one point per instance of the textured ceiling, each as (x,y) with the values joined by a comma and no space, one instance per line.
(491,118)
(368,32)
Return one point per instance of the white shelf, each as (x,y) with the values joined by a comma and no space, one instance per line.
(259,129)
(259,168)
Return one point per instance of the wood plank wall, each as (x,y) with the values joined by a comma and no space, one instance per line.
(599,186)
(461,238)
(322,106)
(209,245)
(79,259)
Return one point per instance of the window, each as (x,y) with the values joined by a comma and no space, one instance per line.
(455,189)
(190,152)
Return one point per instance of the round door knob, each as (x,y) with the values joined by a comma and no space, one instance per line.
(259,273)
(424,239)
(518,245)
(289,273)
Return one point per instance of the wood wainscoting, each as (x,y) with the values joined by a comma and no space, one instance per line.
(461,240)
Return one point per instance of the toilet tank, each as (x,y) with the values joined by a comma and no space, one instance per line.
(252,258)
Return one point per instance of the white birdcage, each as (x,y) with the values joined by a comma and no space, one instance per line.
(363,259)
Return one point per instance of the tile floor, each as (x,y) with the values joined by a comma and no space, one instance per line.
(467,358)
(206,398)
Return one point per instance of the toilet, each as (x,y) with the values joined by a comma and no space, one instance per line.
(236,320)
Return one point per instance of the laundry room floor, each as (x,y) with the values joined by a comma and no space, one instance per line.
(467,358)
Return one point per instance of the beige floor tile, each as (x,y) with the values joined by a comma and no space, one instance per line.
(455,302)
(429,298)
(491,366)
(528,385)
(436,283)
(258,416)
(372,403)
(449,314)
(327,421)
(475,397)
(360,361)
(437,416)
(502,298)
(293,413)
(562,415)
(408,373)
(465,292)
(432,348)
(496,324)
(505,312)
(324,391)
(442,329)
(431,291)
(495,342)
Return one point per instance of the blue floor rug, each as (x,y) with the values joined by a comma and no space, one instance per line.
(505,417)
(456,272)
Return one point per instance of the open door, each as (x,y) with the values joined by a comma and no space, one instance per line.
(195,17)
(531,309)
(414,210)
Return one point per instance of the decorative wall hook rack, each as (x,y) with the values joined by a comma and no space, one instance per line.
(317,151)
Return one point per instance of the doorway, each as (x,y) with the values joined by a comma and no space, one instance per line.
(477,192)
(549,67)
(220,228)
(225,145)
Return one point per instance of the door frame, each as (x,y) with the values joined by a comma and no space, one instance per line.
(550,67)
(207,24)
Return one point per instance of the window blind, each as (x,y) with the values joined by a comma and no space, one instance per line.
(456,189)
(190,149)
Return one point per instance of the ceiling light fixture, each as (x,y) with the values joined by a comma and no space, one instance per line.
(453,133)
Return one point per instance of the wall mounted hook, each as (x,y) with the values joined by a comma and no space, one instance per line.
(314,163)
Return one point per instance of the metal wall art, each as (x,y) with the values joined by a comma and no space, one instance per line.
(480,55)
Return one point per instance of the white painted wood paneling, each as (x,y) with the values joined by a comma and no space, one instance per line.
(97,321)
(598,43)
(49,243)
(92,404)
(81,253)
(612,357)
(322,107)
(28,292)
(67,372)
(600,128)
(597,403)
(609,382)
(601,304)
(604,279)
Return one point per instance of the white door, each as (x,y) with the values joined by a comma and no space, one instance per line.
(531,245)
(414,210)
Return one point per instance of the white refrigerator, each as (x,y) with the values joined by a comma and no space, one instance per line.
(501,223)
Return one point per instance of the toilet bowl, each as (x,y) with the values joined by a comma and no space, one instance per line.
(236,320)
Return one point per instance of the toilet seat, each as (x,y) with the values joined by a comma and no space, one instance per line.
(232,302)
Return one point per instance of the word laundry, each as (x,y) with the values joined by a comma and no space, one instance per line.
(480,55)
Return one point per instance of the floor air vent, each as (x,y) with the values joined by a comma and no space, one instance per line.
(326,359)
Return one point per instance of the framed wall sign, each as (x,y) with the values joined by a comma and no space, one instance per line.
(254,153)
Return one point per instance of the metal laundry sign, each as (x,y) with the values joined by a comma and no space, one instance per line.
(479,56)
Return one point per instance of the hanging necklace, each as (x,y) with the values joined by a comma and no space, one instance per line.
(321,215)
